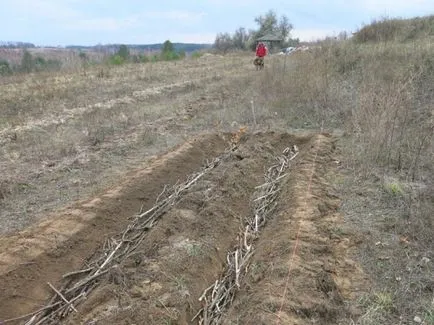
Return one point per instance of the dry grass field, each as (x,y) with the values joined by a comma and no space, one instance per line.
(202,191)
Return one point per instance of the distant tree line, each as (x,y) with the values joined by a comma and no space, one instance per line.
(15,45)
(167,53)
(243,39)
(177,47)
(120,54)
(28,64)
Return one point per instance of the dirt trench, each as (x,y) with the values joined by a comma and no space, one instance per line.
(187,249)
(299,273)
(64,241)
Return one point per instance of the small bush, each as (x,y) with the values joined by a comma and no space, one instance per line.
(123,52)
(5,68)
(140,58)
(196,54)
(170,56)
(41,64)
(168,52)
(393,188)
(27,63)
(117,60)
(384,300)
(144,58)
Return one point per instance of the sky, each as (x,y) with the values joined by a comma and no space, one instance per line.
(91,22)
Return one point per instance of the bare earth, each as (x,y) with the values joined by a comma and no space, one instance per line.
(82,155)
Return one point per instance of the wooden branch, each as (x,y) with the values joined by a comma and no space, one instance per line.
(225,288)
(30,314)
(77,272)
(115,250)
(62,296)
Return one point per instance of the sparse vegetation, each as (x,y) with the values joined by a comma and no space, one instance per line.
(5,68)
(117,60)
(75,58)
(393,188)
(383,301)
(429,315)
(194,249)
(400,30)
(194,55)
(380,95)
(168,52)
(375,90)
(27,63)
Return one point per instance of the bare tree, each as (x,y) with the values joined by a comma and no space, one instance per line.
(223,42)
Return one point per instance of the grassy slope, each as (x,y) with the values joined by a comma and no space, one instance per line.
(401,30)
(381,95)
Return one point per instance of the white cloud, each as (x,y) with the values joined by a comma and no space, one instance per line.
(398,6)
(307,35)
(131,21)
(102,24)
(194,37)
(175,37)
(46,9)
(63,15)
(174,15)
(233,3)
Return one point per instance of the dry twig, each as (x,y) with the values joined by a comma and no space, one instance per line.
(115,250)
(217,300)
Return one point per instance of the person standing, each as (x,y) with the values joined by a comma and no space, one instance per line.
(261,52)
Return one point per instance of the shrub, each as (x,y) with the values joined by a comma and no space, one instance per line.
(5,68)
(123,52)
(393,188)
(168,52)
(41,64)
(196,54)
(27,63)
(379,94)
(140,58)
(117,60)
(144,58)
(168,47)
(169,56)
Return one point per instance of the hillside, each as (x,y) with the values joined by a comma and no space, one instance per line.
(396,29)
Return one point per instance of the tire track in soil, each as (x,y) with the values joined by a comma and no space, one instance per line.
(319,277)
(186,250)
(63,242)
